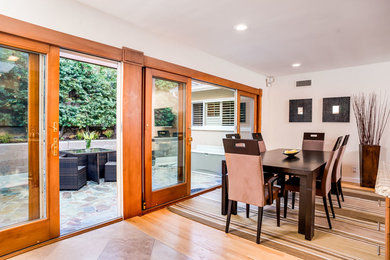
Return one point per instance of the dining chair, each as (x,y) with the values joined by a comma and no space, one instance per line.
(263,148)
(110,167)
(260,140)
(233,136)
(72,175)
(336,174)
(313,141)
(323,186)
(246,180)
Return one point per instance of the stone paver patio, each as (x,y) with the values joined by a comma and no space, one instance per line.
(92,204)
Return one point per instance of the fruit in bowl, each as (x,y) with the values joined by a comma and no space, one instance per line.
(291,152)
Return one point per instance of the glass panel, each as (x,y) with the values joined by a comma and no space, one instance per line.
(207,149)
(168,133)
(247,114)
(22,177)
(88,167)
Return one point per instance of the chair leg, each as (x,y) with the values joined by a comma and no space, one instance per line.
(331,204)
(229,214)
(278,211)
(327,212)
(259,220)
(293,200)
(285,203)
(341,190)
(337,195)
(247,210)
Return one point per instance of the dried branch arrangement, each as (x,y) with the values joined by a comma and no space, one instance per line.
(371,116)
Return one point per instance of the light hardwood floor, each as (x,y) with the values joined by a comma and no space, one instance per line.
(198,241)
(160,235)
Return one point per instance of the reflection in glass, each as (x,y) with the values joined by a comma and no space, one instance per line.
(21,180)
(247,111)
(168,133)
(213,116)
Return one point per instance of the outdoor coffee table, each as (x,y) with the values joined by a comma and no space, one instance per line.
(94,169)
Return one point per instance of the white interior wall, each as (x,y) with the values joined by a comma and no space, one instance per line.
(278,132)
(74,18)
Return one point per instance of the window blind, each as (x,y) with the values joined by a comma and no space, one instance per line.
(228,113)
(197,114)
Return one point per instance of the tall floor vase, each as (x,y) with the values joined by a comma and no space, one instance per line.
(369,162)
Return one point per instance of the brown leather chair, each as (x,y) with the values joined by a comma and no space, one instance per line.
(336,174)
(246,180)
(313,141)
(323,186)
(233,136)
(259,138)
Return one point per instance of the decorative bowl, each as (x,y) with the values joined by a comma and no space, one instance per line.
(291,152)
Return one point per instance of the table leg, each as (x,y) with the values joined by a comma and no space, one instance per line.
(93,168)
(307,194)
(98,167)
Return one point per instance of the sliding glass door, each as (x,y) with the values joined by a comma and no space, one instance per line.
(27,129)
(167,137)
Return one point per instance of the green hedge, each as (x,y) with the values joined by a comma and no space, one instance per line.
(87,95)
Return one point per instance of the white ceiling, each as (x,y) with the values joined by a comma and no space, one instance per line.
(320,34)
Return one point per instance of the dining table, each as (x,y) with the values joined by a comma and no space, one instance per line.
(306,165)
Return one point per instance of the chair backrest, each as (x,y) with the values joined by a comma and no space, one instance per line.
(233,136)
(259,138)
(111,157)
(68,165)
(336,174)
(326,182)
(163,133)
(245,171)
(313,141)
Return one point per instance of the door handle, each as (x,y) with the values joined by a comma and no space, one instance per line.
(54,147)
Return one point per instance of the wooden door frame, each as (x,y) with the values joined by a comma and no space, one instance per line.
(36,231)
(156,198)
(255,109)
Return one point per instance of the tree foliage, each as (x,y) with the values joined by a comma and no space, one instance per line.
(87,95)
(13,88)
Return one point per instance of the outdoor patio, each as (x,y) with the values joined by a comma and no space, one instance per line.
(92,204)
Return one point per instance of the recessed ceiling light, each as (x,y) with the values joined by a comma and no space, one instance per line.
(13,58)
(296,65)
(241,27)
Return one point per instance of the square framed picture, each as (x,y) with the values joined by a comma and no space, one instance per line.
(336,109)
(300,110)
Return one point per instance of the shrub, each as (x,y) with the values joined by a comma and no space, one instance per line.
(80,135)
(5,138)
(108,133)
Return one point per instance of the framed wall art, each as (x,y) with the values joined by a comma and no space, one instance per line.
(336,109)
(300,110)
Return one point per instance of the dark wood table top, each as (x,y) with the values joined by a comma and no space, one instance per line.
(87,151)
(305,162)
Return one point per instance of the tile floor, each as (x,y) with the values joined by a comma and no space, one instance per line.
(92,204)
(118,241)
